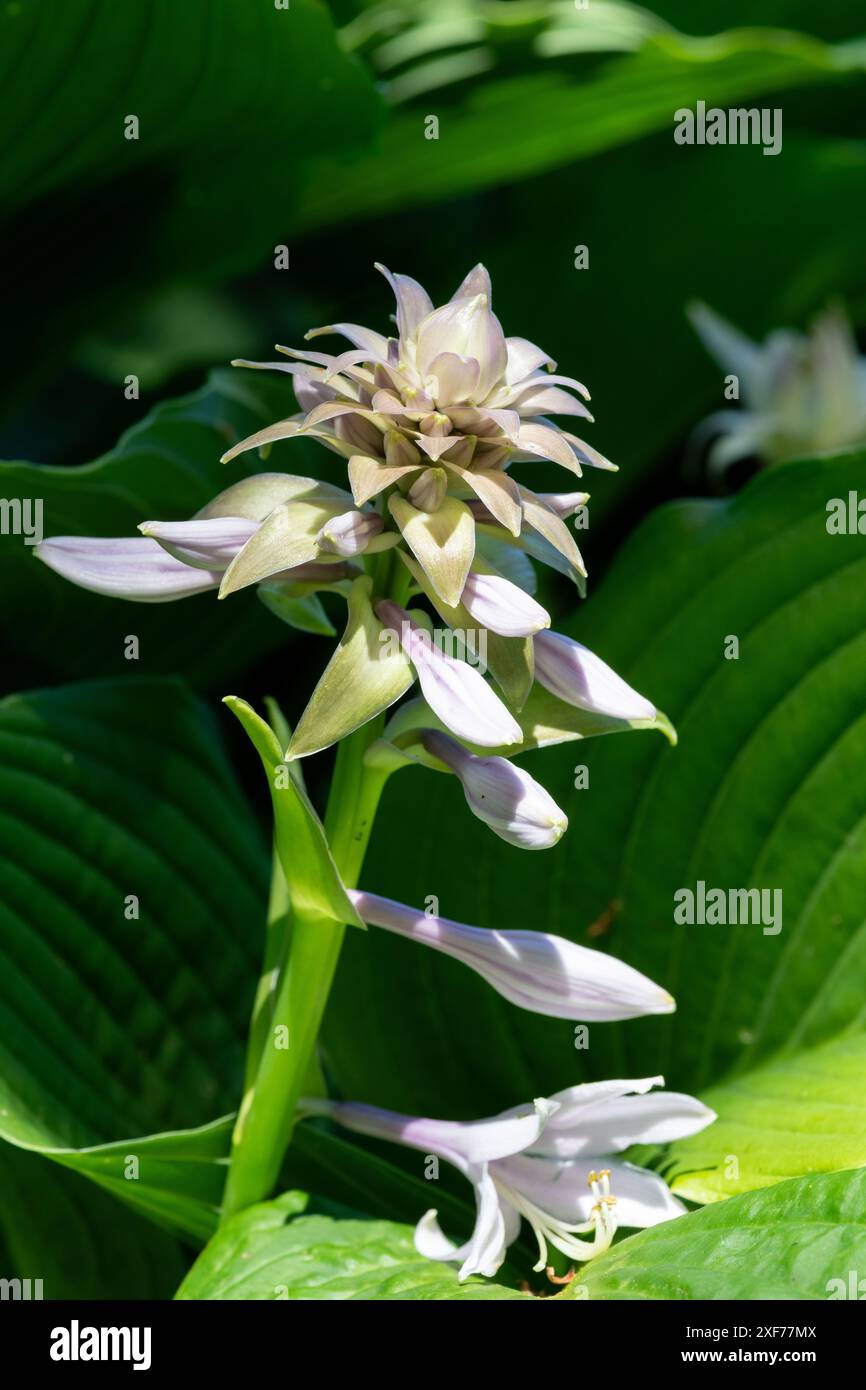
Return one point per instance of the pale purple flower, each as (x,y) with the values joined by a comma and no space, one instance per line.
(203,543)
(429,418)
(540,973)
(455,691)
(505,797)
(552,1163)
(502,607)
(143,569)
(579,677)
(349,534)
(457,392)
(130,567)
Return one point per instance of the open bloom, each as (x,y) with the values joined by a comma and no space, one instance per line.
(802,393)
(553,1163)
(431,420)
(536,971)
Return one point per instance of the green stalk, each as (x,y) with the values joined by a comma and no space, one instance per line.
(264,1124)
(277,933)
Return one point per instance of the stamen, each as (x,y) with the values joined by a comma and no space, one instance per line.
(562,1235)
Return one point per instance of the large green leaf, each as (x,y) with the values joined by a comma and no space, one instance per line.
(275,1250)
(255,54)
(798,1240)
(167,466)
(795,1114)
(631,95)
(92,219)
(761,792)
(133,891)
(79,1242)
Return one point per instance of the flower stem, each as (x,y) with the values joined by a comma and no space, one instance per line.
(264,1124)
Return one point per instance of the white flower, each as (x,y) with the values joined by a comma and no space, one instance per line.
(551,1163)
(505,797)
(579,677)
(536,971)
(429,422)
(802,394)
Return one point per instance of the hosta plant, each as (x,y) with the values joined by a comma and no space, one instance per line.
(430,540)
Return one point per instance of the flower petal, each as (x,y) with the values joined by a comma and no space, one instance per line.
(561,1189)
(130,567)
(443,542)
(456,378)
(456,692)
(501,606)
(476,282)
(205,544)
(548,400)
(546,442)
(366,338)
(349,534)
(587,454)
(496,490)
(576,675)
(413,301)
(461,1142)
(485,1250)
(543,974)
(469,328)
(552,529)
(504,797)
(607,1117)
(524,358)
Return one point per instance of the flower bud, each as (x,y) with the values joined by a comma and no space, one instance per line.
(501,606)
(579,677)
(513,804)
(428,492)
(349,534)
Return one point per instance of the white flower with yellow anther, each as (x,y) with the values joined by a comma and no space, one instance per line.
(539,1162)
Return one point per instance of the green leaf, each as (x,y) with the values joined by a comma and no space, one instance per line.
(631,96)
(286,537)
(56,1227)
(165,468)
(213,75)
(315,889)
(302,611)
(760,792)
(363,677)
(132,904)
(804,1113)
(175,1178)
(799,1240)
(281,1250)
